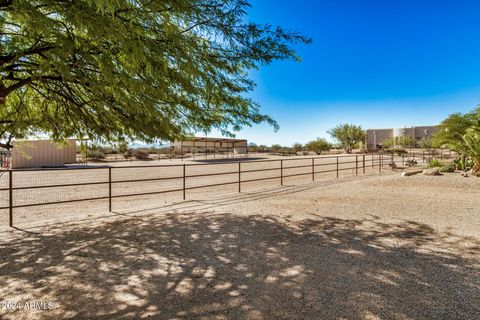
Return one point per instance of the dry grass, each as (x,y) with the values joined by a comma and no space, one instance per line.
(359,248)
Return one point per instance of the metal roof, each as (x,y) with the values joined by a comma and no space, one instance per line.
(208,139)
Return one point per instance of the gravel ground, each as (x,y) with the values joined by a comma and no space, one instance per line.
(373,247)
(32,191)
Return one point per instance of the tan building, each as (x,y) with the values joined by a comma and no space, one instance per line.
(41,153)
(376,137)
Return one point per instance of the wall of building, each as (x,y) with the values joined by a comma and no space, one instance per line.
(376,137)
(42,153)
(419,133)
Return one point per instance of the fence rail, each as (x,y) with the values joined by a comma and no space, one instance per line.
(330,164)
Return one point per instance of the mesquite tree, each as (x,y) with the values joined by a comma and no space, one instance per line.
(131,69)
(348,136)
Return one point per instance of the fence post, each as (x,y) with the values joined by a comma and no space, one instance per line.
(441,153)
(363,164)
(281,172)
(239,176)
(313,169)
(380,158)
(10,197)
(356,165)
(110,189)
(184,182)
(403,160)
(337,167)
(373,161)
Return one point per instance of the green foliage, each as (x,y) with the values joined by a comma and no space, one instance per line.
(449,167)
(297,147)
(398,152)
(471,147)
(348,136)
(429,144)
(132,69)
(434,163)
(319,145)
(461,133)
(454,127)
(122,147)
(406,141)
(276,148)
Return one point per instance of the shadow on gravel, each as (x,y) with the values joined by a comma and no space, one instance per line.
(209,266)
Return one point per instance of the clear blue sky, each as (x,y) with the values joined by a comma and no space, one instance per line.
(373,63)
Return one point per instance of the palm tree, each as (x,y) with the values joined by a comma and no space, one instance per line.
(470,146)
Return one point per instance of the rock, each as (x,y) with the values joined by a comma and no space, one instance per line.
(465,174)
(431,172)
(411,173)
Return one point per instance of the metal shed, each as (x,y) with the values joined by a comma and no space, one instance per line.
(206,145)
(42,153)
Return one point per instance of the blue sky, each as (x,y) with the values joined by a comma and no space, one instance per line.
(373,63)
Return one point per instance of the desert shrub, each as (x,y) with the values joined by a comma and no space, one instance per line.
(397,152)
(434,163)
(319,145)
(128,154)
(449,167)
(97,155)
(411,162)
(141,155)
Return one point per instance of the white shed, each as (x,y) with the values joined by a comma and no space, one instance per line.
(42,153)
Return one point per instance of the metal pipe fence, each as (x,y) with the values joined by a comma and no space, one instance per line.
(186,172)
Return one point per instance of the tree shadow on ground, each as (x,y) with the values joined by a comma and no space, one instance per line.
(221,266)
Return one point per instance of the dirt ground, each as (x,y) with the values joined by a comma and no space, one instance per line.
(371,247)
(28,184)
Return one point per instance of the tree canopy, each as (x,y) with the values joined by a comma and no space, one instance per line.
(349,136)
(132,69)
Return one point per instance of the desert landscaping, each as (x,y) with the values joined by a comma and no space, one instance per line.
(239,160)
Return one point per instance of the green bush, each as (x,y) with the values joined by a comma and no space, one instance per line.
(449,167)
(434,163)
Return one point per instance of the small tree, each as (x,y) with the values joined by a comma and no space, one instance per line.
(348,136)
(456,131)
(252,147)
(471,148)
(122,147)
(297,147)
(405,141)
(319,145)
(276,148)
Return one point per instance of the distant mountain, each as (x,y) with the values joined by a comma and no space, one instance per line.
(139,145)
